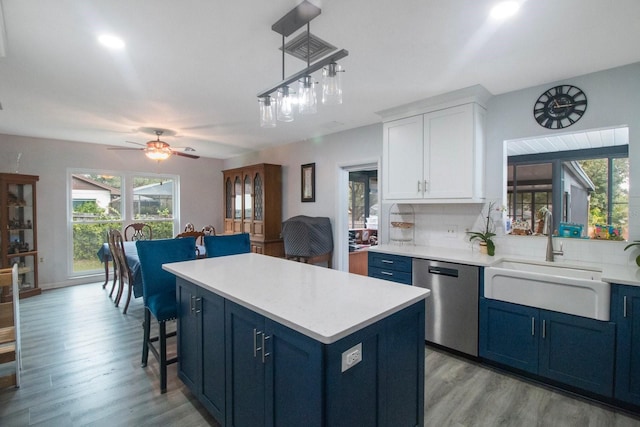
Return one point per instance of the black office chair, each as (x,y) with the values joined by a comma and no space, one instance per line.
(227,244)
(159,294)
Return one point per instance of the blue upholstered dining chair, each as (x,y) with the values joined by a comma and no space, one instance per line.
(159,294)
(228,244)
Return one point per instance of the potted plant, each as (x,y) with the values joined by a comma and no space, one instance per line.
(630,245)
(485,237)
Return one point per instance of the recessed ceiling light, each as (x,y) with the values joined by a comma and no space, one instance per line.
(505,9)
(110,41)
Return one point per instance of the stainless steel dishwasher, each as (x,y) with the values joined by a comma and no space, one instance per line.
(452,309)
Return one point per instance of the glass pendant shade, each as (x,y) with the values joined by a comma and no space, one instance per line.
(331,84)
(307,99)
(285,105)
(267,112)
(157,150)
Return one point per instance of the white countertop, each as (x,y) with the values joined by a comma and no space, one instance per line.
(611,273)
(322,303)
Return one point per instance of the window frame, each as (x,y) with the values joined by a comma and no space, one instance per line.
(127,210)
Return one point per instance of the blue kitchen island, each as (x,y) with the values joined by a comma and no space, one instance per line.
(263,341)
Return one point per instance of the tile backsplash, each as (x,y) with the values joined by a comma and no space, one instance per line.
(442,225)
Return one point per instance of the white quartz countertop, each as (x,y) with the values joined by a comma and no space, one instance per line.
(460,256)
(322,303)
(611,273)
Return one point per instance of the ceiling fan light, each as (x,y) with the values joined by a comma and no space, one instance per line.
(267,112)
(285,105)
(307,99)
(157,150)
(332,84)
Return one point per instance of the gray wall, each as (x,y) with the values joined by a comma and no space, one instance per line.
(200,190)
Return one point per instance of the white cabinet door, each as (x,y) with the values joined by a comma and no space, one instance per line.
(449,153)
(402,159)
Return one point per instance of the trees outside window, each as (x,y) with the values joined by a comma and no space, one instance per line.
(101,201)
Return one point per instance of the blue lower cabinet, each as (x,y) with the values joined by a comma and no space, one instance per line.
(508,334)
(278,377)
(625,306)
(577,351)
(572,350)
(200,332)
(395,268)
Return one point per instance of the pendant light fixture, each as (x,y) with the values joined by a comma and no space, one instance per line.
(267,112)
(306,97)
(331,84)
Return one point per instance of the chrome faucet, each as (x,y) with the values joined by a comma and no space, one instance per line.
(548,226)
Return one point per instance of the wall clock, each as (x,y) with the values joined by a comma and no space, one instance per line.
(560,106)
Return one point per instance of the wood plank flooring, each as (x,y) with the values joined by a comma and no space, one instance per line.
(81,366)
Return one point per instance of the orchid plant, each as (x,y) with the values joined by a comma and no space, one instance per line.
(487,234)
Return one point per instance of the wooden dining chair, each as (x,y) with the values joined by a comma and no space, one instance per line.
(209,230)
(198,235)
(138,231)
(227,244)
(159,294)
(114,260)
(124,272)
(188,227)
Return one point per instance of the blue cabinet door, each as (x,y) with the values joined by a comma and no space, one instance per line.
(509,334)
(210,308)
(245,381)
(626,308)
(201,354)
(577,351)
(293,378)
(187,336)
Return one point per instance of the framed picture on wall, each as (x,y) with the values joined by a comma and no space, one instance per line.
(308,184)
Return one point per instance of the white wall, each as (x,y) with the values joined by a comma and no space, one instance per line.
(200,190)
(614,100)
(330,153)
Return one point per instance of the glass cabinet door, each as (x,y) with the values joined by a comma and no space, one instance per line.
(19,241)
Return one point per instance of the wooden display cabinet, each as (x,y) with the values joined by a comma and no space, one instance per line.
(18,235)
(253,204)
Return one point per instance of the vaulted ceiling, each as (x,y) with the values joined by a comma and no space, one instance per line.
(194,67)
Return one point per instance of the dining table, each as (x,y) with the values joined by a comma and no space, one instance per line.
(133,261)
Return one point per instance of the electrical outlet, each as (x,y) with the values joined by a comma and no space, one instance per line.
(351,357)
(41,259)
(452,230)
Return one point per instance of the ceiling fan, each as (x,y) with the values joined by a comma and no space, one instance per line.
(158,150)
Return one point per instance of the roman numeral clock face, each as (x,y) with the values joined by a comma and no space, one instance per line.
(560,106)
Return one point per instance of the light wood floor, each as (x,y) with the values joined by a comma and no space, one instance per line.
(81,366)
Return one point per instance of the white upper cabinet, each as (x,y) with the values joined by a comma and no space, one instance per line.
(436,157)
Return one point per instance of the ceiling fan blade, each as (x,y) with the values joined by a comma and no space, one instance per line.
(179,153)
(124,148)
(137,143)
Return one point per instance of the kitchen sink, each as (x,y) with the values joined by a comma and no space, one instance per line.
(563,288)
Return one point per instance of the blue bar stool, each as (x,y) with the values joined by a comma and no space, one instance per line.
(159,294)
(227,244)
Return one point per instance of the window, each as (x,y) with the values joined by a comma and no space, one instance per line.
(363,197)
(100,201)
(590,187)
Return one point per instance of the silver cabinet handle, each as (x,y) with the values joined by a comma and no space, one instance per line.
(386,261)
(386,273)
(533,326)
(419,187)
(544,329)
(624,306)
(192,306)
(198,301)
(255,342)
(426,186)
(264,353)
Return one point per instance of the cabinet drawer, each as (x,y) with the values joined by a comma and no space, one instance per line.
(391,262)
(392,275)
